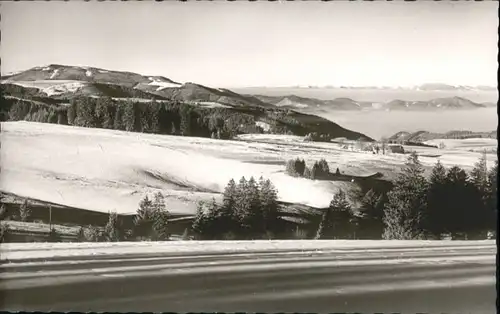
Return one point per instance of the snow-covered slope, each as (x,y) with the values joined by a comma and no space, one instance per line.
(106,170)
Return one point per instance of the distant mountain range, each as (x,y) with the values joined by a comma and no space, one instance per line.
(305,104)
(422,87)
(61,81)
(422,136)
(444,87)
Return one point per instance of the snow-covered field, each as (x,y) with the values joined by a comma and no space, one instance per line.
(162,84)
(106,170)
(42,84)
(63,88)
(470,144)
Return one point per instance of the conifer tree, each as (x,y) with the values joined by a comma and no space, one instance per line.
(479,181)
(479,175)
(16,112)
(92,234)
(307,173)
(435,217)
(336,220)
(144,218)
(52,118)
(371,213)
(3,212)
(104,109)
(462,202)
(406,202)
(62,118)
(86,115)
(155,117)
(186,117)
(113,229)
(80,236)
(205,224)
(72,113)
(229,197)
(342,215)
(253,222)
(323,165)
(161,216)
(269,202)
(492,204)
(54,236)
(129,116)
(242,206)
(315,171)
(118,121)
(300,165)
(24,211)
(326,226)
(4,232)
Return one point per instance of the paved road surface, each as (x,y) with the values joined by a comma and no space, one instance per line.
(448,279)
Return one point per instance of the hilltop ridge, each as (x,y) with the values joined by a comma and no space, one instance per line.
(51,88)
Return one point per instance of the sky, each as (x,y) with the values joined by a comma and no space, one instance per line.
(239,44)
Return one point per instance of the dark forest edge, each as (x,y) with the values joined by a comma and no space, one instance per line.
(163,116)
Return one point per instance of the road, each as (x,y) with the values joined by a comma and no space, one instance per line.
(412,280)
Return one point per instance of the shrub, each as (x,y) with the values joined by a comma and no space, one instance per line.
(92,234)
(4,231)
(299,234)
(307,173)
(24,211)
(54,236)
(113,229)
(160,226)
(80,235)
(295,167)
(3,212)
(323,165)
(185,235)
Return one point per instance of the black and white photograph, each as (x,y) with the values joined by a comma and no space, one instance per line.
(249,156)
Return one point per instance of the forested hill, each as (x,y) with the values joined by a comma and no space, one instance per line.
(144,112)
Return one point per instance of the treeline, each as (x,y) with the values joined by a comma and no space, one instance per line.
(160,117)
(150,223)
(156,114)
(316,137)
(249,210)
(451,201)
(298,168)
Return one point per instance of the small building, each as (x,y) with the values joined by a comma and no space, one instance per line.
(396,148)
